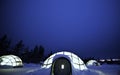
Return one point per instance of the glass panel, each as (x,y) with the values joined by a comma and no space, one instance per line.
(11,59)
(14,64)
(76,66)
(50,61)
(75,56)
(48,66)
(60,53)
(5,60)
(67,53)
(46,61)
(17,59)
(83,67)
(75,60)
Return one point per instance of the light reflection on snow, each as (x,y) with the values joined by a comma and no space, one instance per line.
(36,70)
(33,70)
(98,72)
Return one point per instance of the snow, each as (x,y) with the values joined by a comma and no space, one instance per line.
(31,65)
(106,69)
(35,69)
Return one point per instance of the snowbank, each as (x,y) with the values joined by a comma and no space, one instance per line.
(31,65)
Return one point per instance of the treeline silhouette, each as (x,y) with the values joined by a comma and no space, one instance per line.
(27,55)
(35,55)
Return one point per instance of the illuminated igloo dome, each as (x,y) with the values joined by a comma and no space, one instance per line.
(64,63)
(11,61)
(93,63)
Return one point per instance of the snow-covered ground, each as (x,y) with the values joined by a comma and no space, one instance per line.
(20,71)
(106,69)
(32,69)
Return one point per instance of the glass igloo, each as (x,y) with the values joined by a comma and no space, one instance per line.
(76,62)
(10,60)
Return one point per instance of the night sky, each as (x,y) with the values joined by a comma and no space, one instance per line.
(84,27)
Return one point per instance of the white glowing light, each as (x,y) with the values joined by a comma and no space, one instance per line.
(10,60)
(76,66)
(62,66)
(59,53)
(108,59)
(92,63)
(75,61)
(115,59)
(102,60)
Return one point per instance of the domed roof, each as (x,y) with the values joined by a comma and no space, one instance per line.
(92,63)
(76,62)
(10,60)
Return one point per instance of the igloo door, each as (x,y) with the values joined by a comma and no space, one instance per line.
(61,66)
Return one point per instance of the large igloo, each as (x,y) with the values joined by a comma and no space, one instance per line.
(64,63)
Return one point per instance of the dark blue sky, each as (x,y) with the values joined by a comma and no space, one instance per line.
(85,27)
